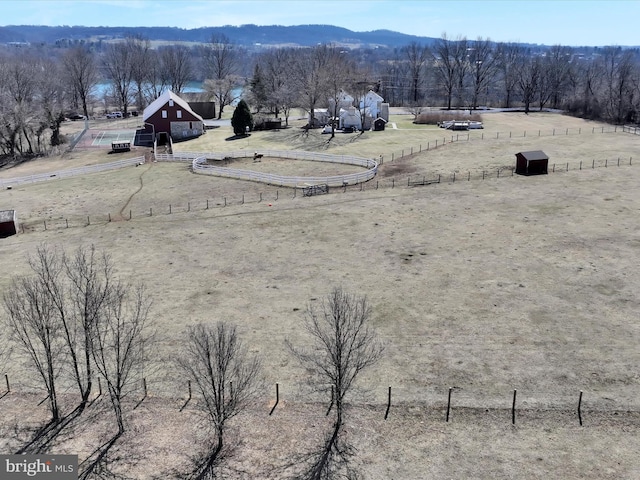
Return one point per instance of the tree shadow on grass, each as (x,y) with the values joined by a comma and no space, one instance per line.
(237,137)
(54,432)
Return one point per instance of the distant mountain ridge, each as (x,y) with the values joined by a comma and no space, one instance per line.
(246,35)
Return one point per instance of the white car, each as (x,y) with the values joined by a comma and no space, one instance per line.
(114,115)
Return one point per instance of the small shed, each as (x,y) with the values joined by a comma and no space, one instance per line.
(379,124)
(535,162)
(8,223)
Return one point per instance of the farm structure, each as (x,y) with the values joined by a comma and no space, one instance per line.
(534,162)
(171,116)
(201,103)
(8,223)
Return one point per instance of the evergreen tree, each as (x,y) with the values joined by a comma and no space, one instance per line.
(241,118)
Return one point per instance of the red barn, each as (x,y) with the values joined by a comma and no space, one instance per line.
(170,116)
(8,223)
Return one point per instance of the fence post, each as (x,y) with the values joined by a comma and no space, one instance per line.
(151,211)
(513,409)
(207,204)
(449,403)
(606,162)
(109,216)
(66,220)
(393,182)
(45,224)
(483,174)
(567,166)
(386,414)
(129,214)
(580,164)
(188,206)
(88,221)
(593,163)
(225,201)
(6,379)
(277,193)
(454,177)
(498,176)
(408,181)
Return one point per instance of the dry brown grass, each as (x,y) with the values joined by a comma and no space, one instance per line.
(521,283)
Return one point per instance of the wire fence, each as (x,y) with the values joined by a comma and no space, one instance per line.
(466,136)
(443,404)
(268,198)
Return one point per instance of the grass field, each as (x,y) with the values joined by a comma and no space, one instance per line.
(526,283)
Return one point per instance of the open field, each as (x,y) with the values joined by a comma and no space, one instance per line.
(526,283)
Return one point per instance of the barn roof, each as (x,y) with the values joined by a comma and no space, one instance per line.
(162,100)
(534,155)
(7,216)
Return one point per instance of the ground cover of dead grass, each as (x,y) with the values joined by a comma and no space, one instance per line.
(486,286)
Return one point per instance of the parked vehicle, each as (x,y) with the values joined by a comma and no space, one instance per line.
(114,115)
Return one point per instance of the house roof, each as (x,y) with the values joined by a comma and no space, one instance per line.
(7,216)
(162,100)
(534,155)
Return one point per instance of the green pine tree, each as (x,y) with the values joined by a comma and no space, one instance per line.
(241,118)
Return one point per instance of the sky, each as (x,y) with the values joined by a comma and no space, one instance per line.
(549,22)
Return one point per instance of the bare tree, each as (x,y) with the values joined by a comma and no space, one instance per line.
(126,65)
(82,74)
(221,66)
(509,57)
(528,80)
(445,67)
(344,345)
(33,323)
(227,376)
(417,56)
(121,342)
(309,73)
(483,66)
(177,66)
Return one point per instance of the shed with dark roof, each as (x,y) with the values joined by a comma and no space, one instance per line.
(535,162)
(8,223)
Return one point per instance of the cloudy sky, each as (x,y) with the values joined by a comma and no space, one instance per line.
(565,22)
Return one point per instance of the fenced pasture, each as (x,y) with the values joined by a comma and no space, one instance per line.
(486,287)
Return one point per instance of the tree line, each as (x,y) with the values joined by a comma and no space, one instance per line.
(40,86)
(77,323)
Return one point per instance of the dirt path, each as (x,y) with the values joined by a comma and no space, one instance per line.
(124,207)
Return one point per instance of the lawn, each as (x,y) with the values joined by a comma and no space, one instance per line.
(482,285)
